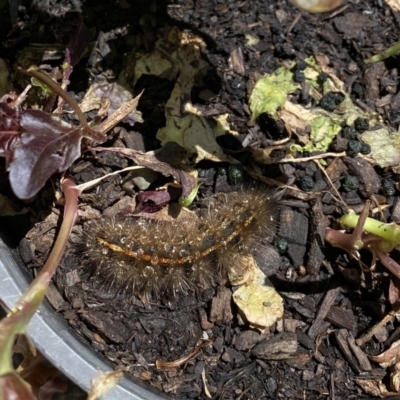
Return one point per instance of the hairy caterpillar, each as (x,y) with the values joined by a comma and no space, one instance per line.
(151,258)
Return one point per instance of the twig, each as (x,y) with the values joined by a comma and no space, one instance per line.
(93,182)
(333,186)
(337,12)
(392,314)
(304,159)
(294,22)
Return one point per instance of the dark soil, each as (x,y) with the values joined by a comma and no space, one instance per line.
(327,297)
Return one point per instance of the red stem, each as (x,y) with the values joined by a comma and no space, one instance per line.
(71,194)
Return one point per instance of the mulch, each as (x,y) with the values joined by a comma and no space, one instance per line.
(329,301)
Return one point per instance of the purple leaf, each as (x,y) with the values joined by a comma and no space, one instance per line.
(45,146)
(154,200)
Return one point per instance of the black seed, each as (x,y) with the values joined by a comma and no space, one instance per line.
(322,77)
(350,183)
(301,65)
(357,91)
(353,148)
(361,124)
(388,187)
(299,76)
(307,183)
(365,148)
(331,100)
(349,133)
(221,171)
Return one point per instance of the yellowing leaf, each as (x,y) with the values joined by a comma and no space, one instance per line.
(257,300)
(271,91)
(323,131)
(155,63)
(385,146)
(223,127)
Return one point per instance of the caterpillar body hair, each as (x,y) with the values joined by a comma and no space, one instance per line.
(151,259)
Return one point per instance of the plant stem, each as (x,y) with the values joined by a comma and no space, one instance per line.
(26,306)
(390,232)
(44,78)
(390,51)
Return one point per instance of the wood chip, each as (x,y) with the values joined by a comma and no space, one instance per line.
(326,305)
(341,318)
(221,306)
(281,347)
(362,358)
(341,336)
(319,223)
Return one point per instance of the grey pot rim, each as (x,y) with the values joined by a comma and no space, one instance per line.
(58,342)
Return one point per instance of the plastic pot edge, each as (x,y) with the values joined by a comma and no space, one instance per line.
(57,341)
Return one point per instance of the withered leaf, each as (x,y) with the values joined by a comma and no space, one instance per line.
(158,163)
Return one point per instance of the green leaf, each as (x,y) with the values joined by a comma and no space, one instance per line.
(186,201)
(46,90)
(323,131)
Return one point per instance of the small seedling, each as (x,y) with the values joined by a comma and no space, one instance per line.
(378,237)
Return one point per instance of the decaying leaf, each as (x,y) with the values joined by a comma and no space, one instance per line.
(166,162)
(162,62)
(323,127)
(257,300)
(393,4)
(271,95)
(178,56)
(44,379)
(388,359)
(222,126)
(385,146)
(108,98)
(185,125)
(374,387)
